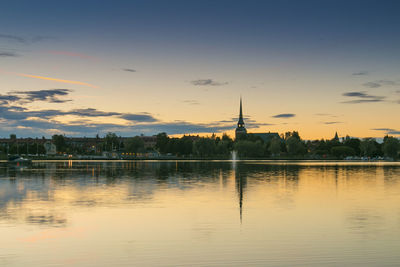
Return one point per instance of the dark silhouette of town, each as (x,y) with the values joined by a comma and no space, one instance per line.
(245,145)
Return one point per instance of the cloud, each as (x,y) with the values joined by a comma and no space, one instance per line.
(8,98)
(25,40)
(8,54)
(388,131)
(13,38)
(284,115)
(207,82)
(24,97)
(360,73)
(357,94)
(363,97)
(145,117)
(50,95)
(383,129)
(40,38)
(129,70)
(16,117)
(326,115)
(331,122)
(191,102)
(91,112)
(56,80)
(380,83)
(72,54)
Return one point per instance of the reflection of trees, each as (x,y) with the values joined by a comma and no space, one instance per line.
(134,181)
(117,183)
(391,176)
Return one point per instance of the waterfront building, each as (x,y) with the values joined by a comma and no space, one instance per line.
(266,137)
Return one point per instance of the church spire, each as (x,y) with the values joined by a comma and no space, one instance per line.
(241,121)
(240,130)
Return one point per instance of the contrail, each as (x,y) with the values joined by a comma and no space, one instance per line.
(54,79)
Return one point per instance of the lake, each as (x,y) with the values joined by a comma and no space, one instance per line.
(200,213)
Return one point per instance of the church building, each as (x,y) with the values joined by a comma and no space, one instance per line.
(241,130)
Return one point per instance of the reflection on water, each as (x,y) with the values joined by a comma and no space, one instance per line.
(200,213)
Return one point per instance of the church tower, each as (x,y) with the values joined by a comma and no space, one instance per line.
(240,130)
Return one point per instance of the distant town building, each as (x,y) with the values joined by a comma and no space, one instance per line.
(149,141)
(240,130)
(267,137)
(336,138)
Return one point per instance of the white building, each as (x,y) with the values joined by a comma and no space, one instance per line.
(51,148)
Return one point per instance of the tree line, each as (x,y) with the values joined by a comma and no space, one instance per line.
(289,145)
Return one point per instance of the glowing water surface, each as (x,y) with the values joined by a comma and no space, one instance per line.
(203,213)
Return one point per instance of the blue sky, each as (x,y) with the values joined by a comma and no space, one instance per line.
(333,65)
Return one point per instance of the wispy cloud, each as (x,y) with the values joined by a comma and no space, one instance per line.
(72,54)
(25,40)
(207,82)
(8,54)
(380,83)
(129,70)
(326,115)
(360,73)
(331,122)
(284,115)
(191,102)
(13,38)
(387,131)
(363,97)
(92,112)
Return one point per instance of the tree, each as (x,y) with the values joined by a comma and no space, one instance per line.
(223,148)
(162,142)
(295,146)
(342,151)
(391,147)
(111,142)
(275,146)
(369,147)
(353,143)
(204,147)
(134,145)
(247,148)
(182,146)
(59,142)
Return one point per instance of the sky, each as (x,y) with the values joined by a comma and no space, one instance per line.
(82,68)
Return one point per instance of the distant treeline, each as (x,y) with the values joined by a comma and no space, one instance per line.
(289,145)
(286,146)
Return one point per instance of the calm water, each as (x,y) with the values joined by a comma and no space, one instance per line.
(254,213)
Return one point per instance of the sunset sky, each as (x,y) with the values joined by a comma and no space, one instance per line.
(82,68)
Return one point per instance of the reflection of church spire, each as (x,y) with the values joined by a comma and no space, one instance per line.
(241,183)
